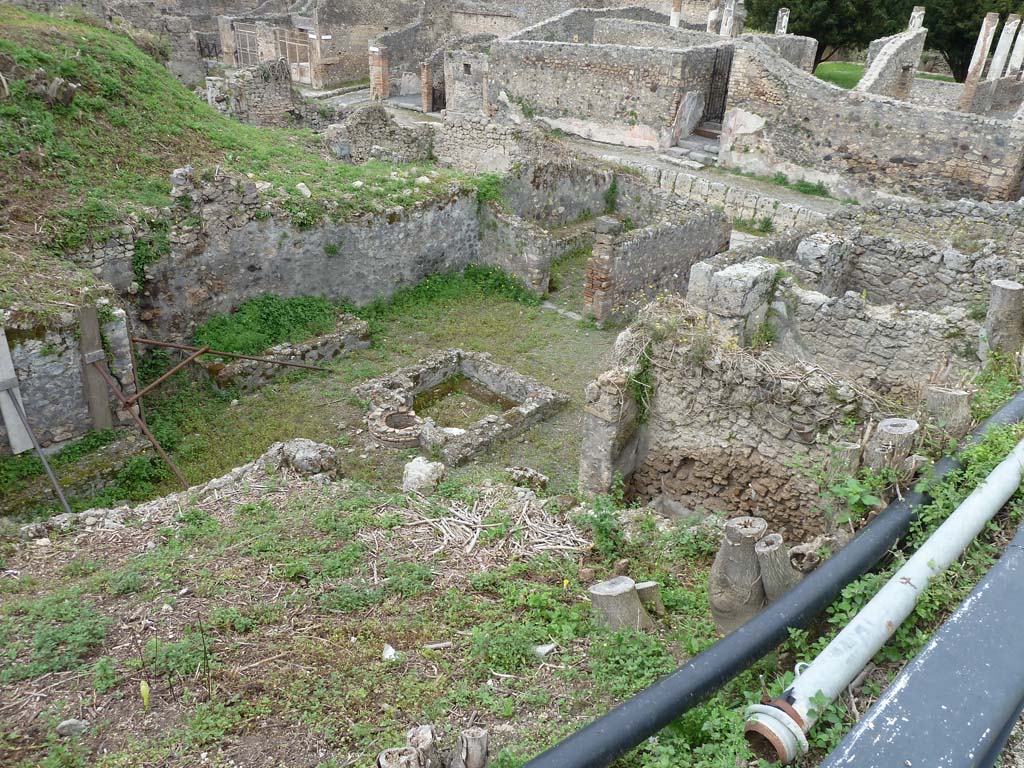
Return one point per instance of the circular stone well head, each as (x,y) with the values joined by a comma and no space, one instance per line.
(395,428)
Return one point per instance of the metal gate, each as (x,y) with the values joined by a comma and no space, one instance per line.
(718,93)
(247,53)
(293,47)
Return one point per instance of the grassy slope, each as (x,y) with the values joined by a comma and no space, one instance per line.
(69,174)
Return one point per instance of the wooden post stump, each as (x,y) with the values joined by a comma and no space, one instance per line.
(617,605)
(951,408)
(471,751)
(777,572)
(650,596)
(423,739)
(1004,323)
(735,590)
(891,443)
(399,757)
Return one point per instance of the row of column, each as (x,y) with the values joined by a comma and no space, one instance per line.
(728,21)
(1007,61)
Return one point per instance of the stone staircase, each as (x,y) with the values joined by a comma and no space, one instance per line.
(694,149)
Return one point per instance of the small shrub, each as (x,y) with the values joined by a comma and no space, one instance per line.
(267,320)
(409,579)
(175,659)
(104,675)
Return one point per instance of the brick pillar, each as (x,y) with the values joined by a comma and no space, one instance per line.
(227,40)
(598,286)
(426,87)
(266,42)
(981,49)
(380,86)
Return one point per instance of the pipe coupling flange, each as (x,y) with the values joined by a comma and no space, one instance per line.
(770,730)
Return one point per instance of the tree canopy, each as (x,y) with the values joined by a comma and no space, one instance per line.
(953,25)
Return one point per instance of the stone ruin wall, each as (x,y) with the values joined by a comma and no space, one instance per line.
(264,95)
(795,49)
(48,366)
(618,94)
(892,64)
(577,26)
(370,133)
(775,112)
(888,348)
(722,429)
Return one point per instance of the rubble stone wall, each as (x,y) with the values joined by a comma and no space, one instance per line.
(773,124)
(892,64)
(263,95)
(613,93)
(370,133)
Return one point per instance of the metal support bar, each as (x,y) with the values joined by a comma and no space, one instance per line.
(188,348)
(9,391)
(166,375)
(102,368)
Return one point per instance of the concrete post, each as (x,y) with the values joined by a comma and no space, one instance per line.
(226,31)
(782,21)
(380,85)
(266,41)
(916,18)
(677,12)
(1003,48)
(714,17)
(977,67)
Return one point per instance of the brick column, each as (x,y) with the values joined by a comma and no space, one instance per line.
(380,86)
(598,286)
(227,40)
(426,87)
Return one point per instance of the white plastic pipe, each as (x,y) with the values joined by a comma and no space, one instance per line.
(784,723)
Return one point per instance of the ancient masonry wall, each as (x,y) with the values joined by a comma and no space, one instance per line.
(773,119)
(612,93)
(795,49)
(937,94)
(892,64)
(48,366)
(351,25)
(737,202)
(722,430)
(577,26)
(263,95)
(628,269)
(370,133)
(476,143)
(465,73)
(886,348)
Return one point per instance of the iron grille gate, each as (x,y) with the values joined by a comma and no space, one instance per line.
(247,52)
(293,47)
(718,93)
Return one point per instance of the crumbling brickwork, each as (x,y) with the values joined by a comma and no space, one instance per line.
(892,64)
(370,133)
